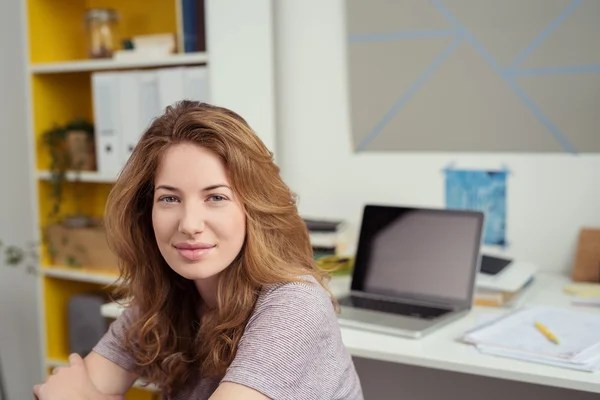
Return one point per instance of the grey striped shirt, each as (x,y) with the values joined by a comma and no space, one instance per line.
(291,349)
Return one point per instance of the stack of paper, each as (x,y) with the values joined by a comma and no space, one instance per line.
(584,293)
(515,335)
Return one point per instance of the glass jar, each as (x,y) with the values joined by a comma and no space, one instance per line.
(101,26)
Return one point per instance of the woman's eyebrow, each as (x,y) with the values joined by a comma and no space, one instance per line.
(206,189)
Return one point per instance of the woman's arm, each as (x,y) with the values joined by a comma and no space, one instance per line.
(73,382)
(108,377)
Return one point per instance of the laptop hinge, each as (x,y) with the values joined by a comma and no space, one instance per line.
(428,303)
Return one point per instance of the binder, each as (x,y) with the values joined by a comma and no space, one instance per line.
(129,96)
(140,94)
(106,109)
(196,85)
(170,85)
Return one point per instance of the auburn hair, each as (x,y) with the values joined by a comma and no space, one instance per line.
(169,341)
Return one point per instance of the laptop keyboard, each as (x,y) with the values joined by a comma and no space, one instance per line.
(393,307)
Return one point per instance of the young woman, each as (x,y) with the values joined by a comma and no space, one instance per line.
(226,301)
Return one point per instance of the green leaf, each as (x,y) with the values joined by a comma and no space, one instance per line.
(14,255)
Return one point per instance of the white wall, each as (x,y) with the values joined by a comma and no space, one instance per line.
(19,344)
(549,196)
(239,39)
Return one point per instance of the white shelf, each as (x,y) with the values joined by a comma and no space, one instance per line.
(80,275)
(110,64)
(54,363)
(84,176)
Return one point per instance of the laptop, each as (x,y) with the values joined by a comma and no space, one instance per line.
(415,269)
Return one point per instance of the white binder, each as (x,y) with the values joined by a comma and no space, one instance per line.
(139,95)
(196,84)
(149,99)
(170,85)
(128,97)
(106,108)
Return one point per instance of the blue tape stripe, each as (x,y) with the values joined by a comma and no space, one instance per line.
(574,69)
(560,138)
(545,33)
(462,31)
(505,75)
(407,95)
(375,37)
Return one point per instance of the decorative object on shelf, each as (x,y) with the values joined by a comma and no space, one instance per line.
(102,30)
(80,246)
(71,148)
(147,47)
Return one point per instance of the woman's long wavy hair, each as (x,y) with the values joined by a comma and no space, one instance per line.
(169,341)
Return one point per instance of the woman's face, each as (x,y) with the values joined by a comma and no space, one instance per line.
(199,224)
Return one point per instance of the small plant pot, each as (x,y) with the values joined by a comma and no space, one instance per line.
(81,149)
(81,247)
(78,222)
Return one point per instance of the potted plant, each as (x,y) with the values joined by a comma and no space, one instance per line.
(75,239)
(71,149)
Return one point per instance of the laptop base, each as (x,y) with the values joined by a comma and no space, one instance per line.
(392,324)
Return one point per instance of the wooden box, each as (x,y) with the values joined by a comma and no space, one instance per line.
(587,256)
(84,247)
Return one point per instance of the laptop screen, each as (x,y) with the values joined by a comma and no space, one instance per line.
(420,253)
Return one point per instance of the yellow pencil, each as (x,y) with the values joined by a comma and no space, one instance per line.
(546,332)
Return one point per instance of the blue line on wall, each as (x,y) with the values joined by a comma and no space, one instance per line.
(545,33)
(377,37)
(573,69)
(553,129)
(407,95)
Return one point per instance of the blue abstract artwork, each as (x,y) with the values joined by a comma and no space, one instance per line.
(483,191)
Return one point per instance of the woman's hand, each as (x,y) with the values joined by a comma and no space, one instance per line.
(70,383)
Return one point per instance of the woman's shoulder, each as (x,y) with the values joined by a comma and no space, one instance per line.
(307,291)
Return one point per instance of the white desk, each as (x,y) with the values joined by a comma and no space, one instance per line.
(442,350)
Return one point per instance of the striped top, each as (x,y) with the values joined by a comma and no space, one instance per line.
(291,349)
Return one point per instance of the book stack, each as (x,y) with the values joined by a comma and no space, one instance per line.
(545,335)
(500,298)
(502,282)
(324,236)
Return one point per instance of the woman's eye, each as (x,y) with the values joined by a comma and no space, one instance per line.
(217,197)
(168,199)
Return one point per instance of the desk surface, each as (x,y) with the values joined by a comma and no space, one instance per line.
(442,349)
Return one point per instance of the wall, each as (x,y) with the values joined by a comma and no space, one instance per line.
(19,341)
(550,196)
(239,39)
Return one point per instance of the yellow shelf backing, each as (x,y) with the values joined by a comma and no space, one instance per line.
(57,29)
(57,99)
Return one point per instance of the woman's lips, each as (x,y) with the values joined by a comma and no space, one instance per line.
(193,252)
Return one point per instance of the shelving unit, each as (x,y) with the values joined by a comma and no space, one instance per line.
(241,59)
(59,89)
